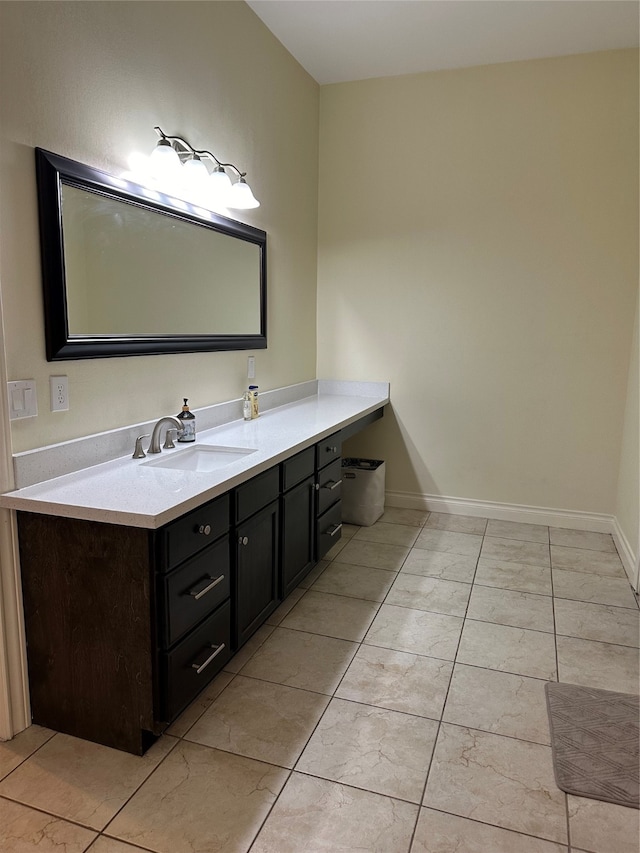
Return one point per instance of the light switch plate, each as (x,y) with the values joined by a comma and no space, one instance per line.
(251,367)
(23,402)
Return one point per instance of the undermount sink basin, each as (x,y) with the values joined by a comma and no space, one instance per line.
(203,458)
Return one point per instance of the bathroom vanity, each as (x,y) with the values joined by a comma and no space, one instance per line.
(131,611)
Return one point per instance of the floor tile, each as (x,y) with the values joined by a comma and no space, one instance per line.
(582,560)
(374,554)
(91,781)
(416,631)
(598,622)
(438,832)
(438,564)
(262,720)
(579,586)
(456,523)
(390,534)
(331,615)
(349,530)
(497,780)
(582,539)
(509,607)
(287,605)
(14,752)
(200,799)
(313,575)
(200,704)
(332,553)
(516,530)
(104,844)
(23,830)
(398,515)
(250,647)
(434,594)
(318,816)
(515,650)
(355,581)
(309,661)
(498,702)
(520,577)
(515,551)
(398,681)
(371,748)
(602,827)
(593,664)
(449,542)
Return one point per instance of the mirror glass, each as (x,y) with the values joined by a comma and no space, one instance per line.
(129,272)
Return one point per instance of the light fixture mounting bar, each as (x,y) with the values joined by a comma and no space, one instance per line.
(189,151)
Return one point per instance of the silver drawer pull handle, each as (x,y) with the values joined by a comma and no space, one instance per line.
(331,449)
(243,540)
(334,485)
(205,529)
(197,594)
(200,666)
(336,529)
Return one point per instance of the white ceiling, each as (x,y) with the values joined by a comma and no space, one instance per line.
(341,40)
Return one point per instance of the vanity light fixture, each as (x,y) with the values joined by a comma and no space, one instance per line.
(176,160)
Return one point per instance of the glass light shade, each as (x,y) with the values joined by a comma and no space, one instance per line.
(240,196)
(195,171)
(219,182)
(164,159)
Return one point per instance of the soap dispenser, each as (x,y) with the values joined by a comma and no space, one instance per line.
(188,421)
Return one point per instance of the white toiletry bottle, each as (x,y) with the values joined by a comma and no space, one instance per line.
(188,421)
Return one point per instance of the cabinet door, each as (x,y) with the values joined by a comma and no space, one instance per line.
(256,580)
(298,530)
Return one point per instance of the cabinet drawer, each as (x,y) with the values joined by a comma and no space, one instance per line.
(294,470)
(193,590)
(195,661)
(329,485)
(257,493)
(328,449)
(328,530)
(194,531)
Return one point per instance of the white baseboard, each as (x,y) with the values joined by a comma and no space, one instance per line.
(629,560)
(573,520)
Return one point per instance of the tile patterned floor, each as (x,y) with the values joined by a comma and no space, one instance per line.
(393,704)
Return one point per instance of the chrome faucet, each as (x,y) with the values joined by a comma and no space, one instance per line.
(154,446)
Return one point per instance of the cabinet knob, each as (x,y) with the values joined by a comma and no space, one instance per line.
(243,540)
(204,529)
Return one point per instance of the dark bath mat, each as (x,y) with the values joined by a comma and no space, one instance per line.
(595,738)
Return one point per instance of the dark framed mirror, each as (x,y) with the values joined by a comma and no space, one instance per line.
(128,270)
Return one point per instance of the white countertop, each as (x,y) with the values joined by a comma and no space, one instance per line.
(138,494)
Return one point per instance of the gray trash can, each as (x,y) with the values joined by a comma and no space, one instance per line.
(362,490)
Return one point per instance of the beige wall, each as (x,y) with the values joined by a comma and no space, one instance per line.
(628,497)
(89,80)
(478,247)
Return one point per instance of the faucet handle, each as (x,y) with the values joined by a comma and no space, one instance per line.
(139,453)
(168,440)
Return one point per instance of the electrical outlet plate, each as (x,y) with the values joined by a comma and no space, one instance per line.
(23,402)
(59,386)
(251,367)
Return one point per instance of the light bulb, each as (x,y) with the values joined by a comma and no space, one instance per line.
(240,196)
(195,171)
(164,158)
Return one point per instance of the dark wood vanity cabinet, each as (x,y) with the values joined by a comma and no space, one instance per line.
(125,625)
(328,505)
(257,542)
(299,485)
